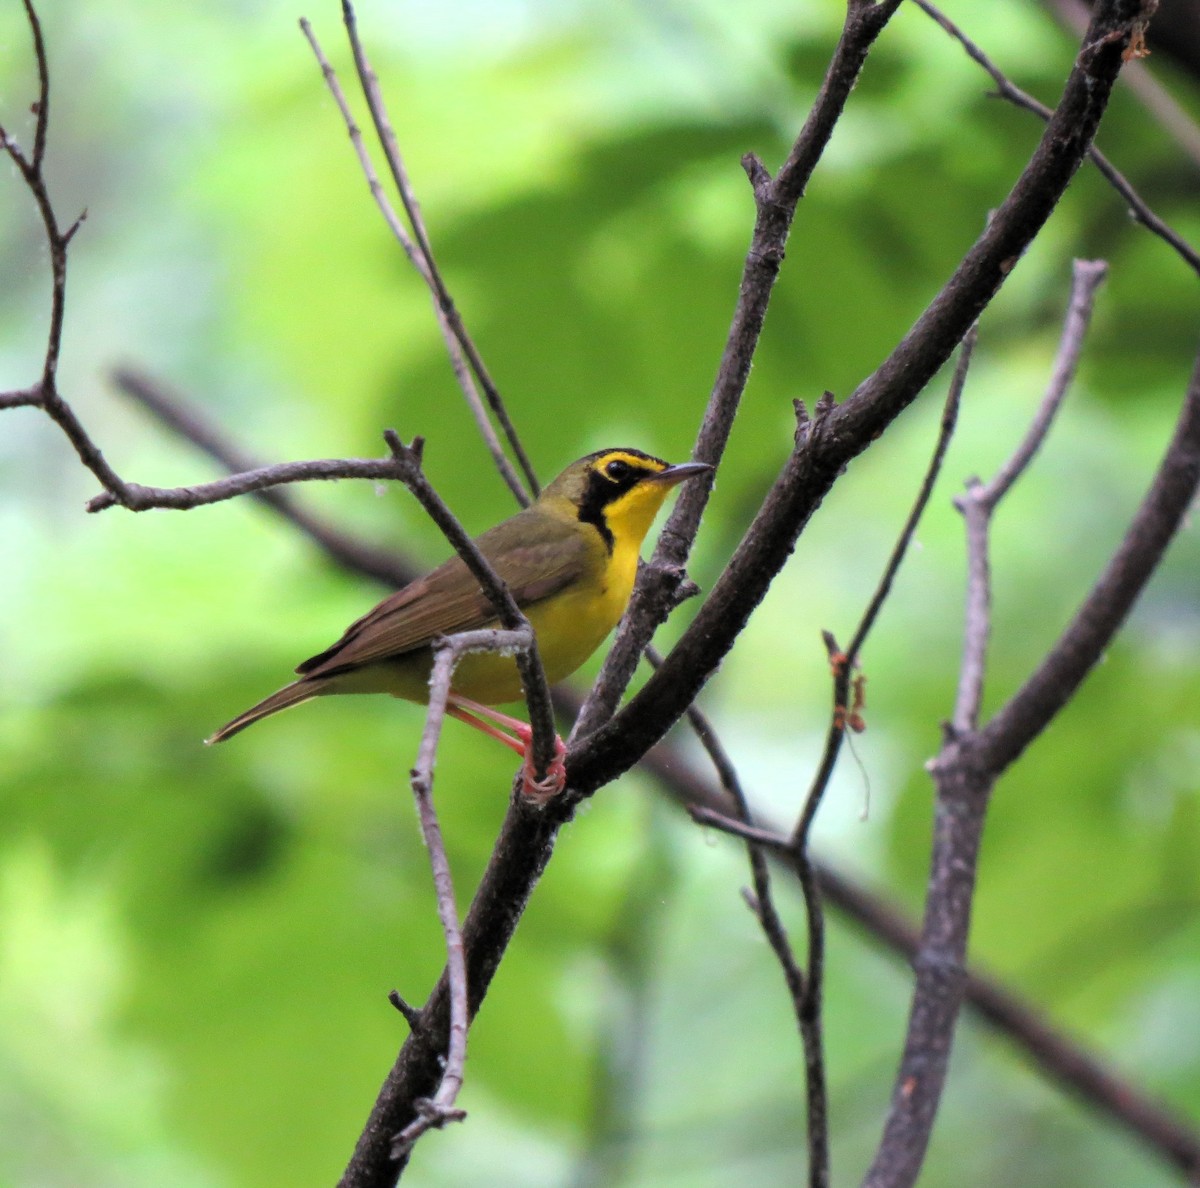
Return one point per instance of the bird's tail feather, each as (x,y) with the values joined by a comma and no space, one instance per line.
(289,695)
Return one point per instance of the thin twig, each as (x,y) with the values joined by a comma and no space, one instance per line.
(1086,278)
(771,839)
(412,1014)
(844,663)
(447,310)
(762,903)
(43,104)
(32,171)
(23,398)
(775,207)
(136,498)
(436,1111)
(421,260)
(390,216)
(191,423)
(979,501)
(1009,91)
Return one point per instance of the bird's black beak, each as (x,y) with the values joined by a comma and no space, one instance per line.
(677,474)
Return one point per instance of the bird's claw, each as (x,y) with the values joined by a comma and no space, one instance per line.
(541,792)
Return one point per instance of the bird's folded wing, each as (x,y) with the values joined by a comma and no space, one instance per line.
(449,599)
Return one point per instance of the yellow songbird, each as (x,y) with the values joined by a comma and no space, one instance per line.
(569,559)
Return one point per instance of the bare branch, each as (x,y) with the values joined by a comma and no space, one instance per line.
(43,104)
(458,341)
(762,903)
(390,216)
(965,772)
(832,441)
(421,261)
(135,497)
(45,394)
(188,422)
(775,207)
(1087,276)
(436,1111)
(23,398)
(440,1108)
(1090,632)
(946,429)
(980,500)
(704,814)
(1006,89)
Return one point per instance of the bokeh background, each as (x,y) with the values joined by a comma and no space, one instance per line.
(195,946)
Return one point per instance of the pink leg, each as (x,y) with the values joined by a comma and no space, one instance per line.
(491,722)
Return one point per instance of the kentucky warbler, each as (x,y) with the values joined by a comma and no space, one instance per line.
(569,559)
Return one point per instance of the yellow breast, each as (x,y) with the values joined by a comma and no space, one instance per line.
(569,625)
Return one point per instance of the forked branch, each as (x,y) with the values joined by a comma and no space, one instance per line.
(965,772)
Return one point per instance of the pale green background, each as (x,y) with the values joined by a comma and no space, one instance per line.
(195,945)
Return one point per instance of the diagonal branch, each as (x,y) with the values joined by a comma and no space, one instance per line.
(1007,89)
(834,440)
(418,251)
(458,341)
(775,207)
(965,772)
(1030,710)
(533,676)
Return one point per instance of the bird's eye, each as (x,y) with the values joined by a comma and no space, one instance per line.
(618,470)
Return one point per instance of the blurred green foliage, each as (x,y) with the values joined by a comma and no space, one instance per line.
(195,946)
